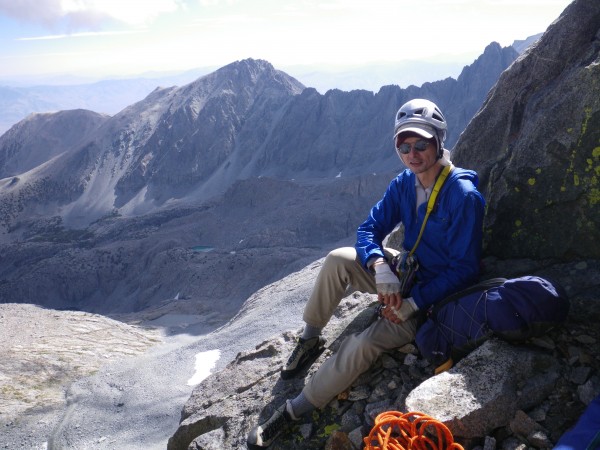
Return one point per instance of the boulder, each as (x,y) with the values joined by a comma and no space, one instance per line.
(483,391)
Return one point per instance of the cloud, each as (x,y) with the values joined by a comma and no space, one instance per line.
(83,34)
(87,14)
(43,11)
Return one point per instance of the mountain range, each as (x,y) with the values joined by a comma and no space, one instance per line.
(19,98)
(190,143)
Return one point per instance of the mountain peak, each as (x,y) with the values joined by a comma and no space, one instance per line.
(252,70)
(251,63)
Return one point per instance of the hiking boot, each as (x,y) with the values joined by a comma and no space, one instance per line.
(305,353)
(263,435)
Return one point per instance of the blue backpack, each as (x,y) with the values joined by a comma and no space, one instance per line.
(585,435)
(514,309)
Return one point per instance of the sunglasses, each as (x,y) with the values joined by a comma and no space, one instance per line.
(420,146)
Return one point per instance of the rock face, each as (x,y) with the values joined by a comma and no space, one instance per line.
(536,144)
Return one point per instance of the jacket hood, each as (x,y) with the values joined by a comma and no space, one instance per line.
(463,174)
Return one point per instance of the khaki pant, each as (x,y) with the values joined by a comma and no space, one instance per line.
(359,350)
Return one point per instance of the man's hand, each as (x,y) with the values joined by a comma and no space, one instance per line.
(402,314)
(388,313)
(388,290)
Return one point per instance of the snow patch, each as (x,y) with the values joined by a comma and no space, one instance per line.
(205,362)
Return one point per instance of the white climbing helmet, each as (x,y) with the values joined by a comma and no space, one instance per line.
(424,118)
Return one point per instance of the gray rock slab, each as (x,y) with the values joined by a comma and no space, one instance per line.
(483,391)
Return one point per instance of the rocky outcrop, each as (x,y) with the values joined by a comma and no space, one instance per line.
(536,145)
(232,398)
(501,393)
(476,397)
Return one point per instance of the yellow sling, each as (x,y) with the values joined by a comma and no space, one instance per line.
(431,203)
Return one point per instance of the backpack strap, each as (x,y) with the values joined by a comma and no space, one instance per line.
(479,287)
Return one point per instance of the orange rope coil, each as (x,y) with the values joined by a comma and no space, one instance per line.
(394,430)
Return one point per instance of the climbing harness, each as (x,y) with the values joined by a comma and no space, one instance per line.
(394,430)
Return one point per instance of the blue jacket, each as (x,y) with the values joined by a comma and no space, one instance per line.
(449,253)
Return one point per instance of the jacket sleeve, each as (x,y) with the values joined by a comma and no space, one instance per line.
(463,248)
(384,216)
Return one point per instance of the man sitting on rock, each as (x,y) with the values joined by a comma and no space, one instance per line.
(446,245)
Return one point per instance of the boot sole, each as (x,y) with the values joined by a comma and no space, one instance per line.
(288,374)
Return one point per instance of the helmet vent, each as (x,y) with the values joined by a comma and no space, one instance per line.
(422,114)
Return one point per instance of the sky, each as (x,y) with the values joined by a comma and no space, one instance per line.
(123,38)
